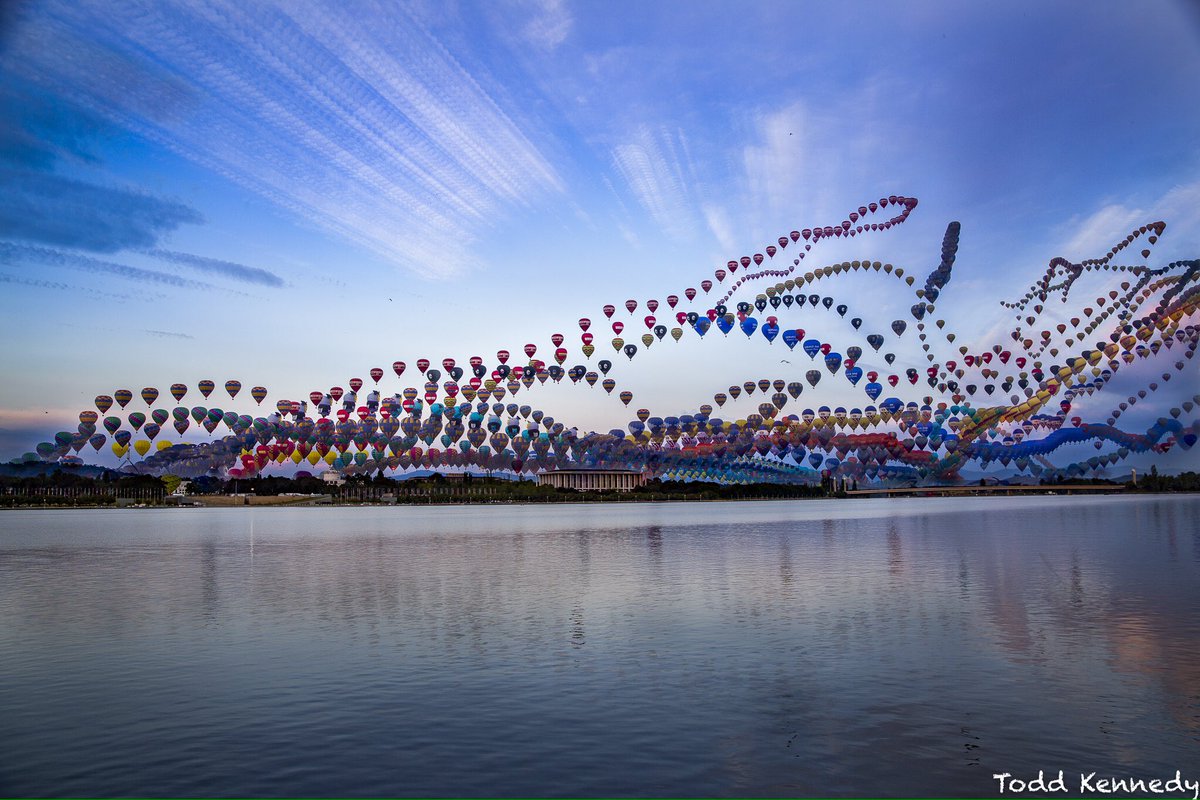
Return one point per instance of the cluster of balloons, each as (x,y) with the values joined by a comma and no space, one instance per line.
(991,403)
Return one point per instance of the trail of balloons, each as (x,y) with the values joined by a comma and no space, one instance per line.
(993,403)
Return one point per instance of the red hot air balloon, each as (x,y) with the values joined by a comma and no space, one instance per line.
(530,350)
(356,384)
(609,310)
(672,300)
(556,340)
(706,285)
(631,305)
(690,293)
(617,327)
(336,393)
(652,306)
(376,373)
(398,368)
(502,356)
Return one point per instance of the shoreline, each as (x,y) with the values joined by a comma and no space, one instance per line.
(314,501)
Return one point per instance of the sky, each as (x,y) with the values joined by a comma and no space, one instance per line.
(292,193)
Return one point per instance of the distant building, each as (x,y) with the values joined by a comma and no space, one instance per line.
(455,477)
(592,480)
(333,476)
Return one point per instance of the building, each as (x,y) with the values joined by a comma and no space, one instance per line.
(592,480)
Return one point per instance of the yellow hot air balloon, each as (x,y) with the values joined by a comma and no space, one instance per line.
(163,445)
(119,450)
(141,446)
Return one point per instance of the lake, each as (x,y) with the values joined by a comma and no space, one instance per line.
(823,647)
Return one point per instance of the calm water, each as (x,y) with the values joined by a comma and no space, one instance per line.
(879,647)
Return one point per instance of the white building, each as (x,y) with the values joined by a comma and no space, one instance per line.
(592,480)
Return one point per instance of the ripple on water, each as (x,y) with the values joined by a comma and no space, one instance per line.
(790,648)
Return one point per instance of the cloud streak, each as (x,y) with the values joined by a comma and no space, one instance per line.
(656,169)
(216,266)
(18,254)
(66,287)
(50,209)
(373,132)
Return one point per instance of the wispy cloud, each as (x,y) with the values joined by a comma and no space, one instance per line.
(654,167)
(721,228)
(40,284)
(1091,236)
(216,266)
(374,132)
(169,334)
(549,25)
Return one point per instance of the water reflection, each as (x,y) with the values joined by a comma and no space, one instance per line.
(870,647)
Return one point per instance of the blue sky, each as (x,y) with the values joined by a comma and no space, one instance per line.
(290,194)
